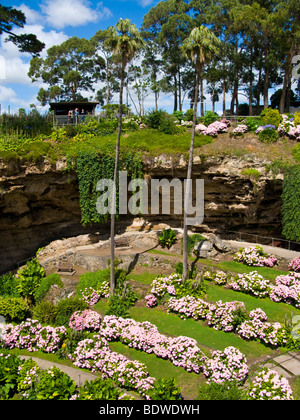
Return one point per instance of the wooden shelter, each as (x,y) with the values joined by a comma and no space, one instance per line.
(72,112)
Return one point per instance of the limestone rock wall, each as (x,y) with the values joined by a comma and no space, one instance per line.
(39,203)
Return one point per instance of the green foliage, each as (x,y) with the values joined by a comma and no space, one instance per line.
(45,312)
(296,152)
(268,136)
(29,278)
(122,299)
(28,374)
(291,203)
(252,173)
(271,116)
(9,365)
(70,343)
(297,118)
(191,271)
(99,389)
(66,307)
(192,240)
(167,238)
(228,390)
(45,284)
(189,115)
(8,285)
(196,288)
(93,280)
(53,384)
(165,389)
(253,123)
(210,117)
(14,308)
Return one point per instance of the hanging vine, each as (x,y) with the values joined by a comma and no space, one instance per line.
(91,167)
(291,203)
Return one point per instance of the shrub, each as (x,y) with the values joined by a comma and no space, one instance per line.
(253,123)
(45,285)
(29,278)
(167,238)
(93,280)
(123,298)
(45,312)
(297,119)
(66,307)
(271,116)
(209,118)
(268,135)
(8,285)
(154,118)
(9,373)
(99,389)
(269,385)
(14,308)
(224,391)
(165,389)
(53,384)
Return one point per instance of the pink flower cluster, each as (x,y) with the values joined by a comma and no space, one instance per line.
(144,336)
(294,265)
(162,285)
(92,296)
(240,129)
(31,335)
(151,301)
(94,354)
(85,320)
(254,256)
(222,316)
(269,385)
(287,289)
(229,365)
(252,283)
(213,129)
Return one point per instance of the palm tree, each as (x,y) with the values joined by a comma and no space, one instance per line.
(199,47)
(125,41)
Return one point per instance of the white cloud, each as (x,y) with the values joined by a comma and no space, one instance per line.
(62,13)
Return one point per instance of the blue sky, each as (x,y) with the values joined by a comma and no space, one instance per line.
(53,21)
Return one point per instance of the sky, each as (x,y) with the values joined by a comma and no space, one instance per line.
(54,21)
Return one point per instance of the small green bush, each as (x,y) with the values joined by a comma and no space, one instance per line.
(167,238)
(53,384)
(253,123)
(210,117)
(45,312)
(29,278)
(9,374)
(225,391)
(154,118)
(271,116)
(268,136)
(297,118)
(14,308)
(123,298)
(93,280)
(8,285)
(166,389)
(45,285)
(66,307)
(99,389)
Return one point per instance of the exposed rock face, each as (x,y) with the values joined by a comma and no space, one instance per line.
(40,203)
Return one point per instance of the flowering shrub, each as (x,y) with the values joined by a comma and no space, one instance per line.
(287,289)
(240,129)
(85,320)
(151,301)
(252,283)
(32,336)
(95,354)
(294,265)
(230,365)
(213,129)
(92,296)
(27,375)
(220,277)
(254,256)
(269,385)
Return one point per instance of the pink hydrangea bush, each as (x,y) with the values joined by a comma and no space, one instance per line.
(294,265)
(252,283)
(286,289)
(229,365)
(92,296)
(269,385)
(32,336)
(86,320)
(254,256)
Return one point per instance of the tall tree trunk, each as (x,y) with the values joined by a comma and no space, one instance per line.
(175,94)
(224,98)
(267,79)
(186,193)
(251,83)
(114,197)
(285,96)
(201,95)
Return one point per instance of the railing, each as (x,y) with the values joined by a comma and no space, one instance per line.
(69,120)
(265,240)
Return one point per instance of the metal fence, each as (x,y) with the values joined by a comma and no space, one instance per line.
(264,240)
